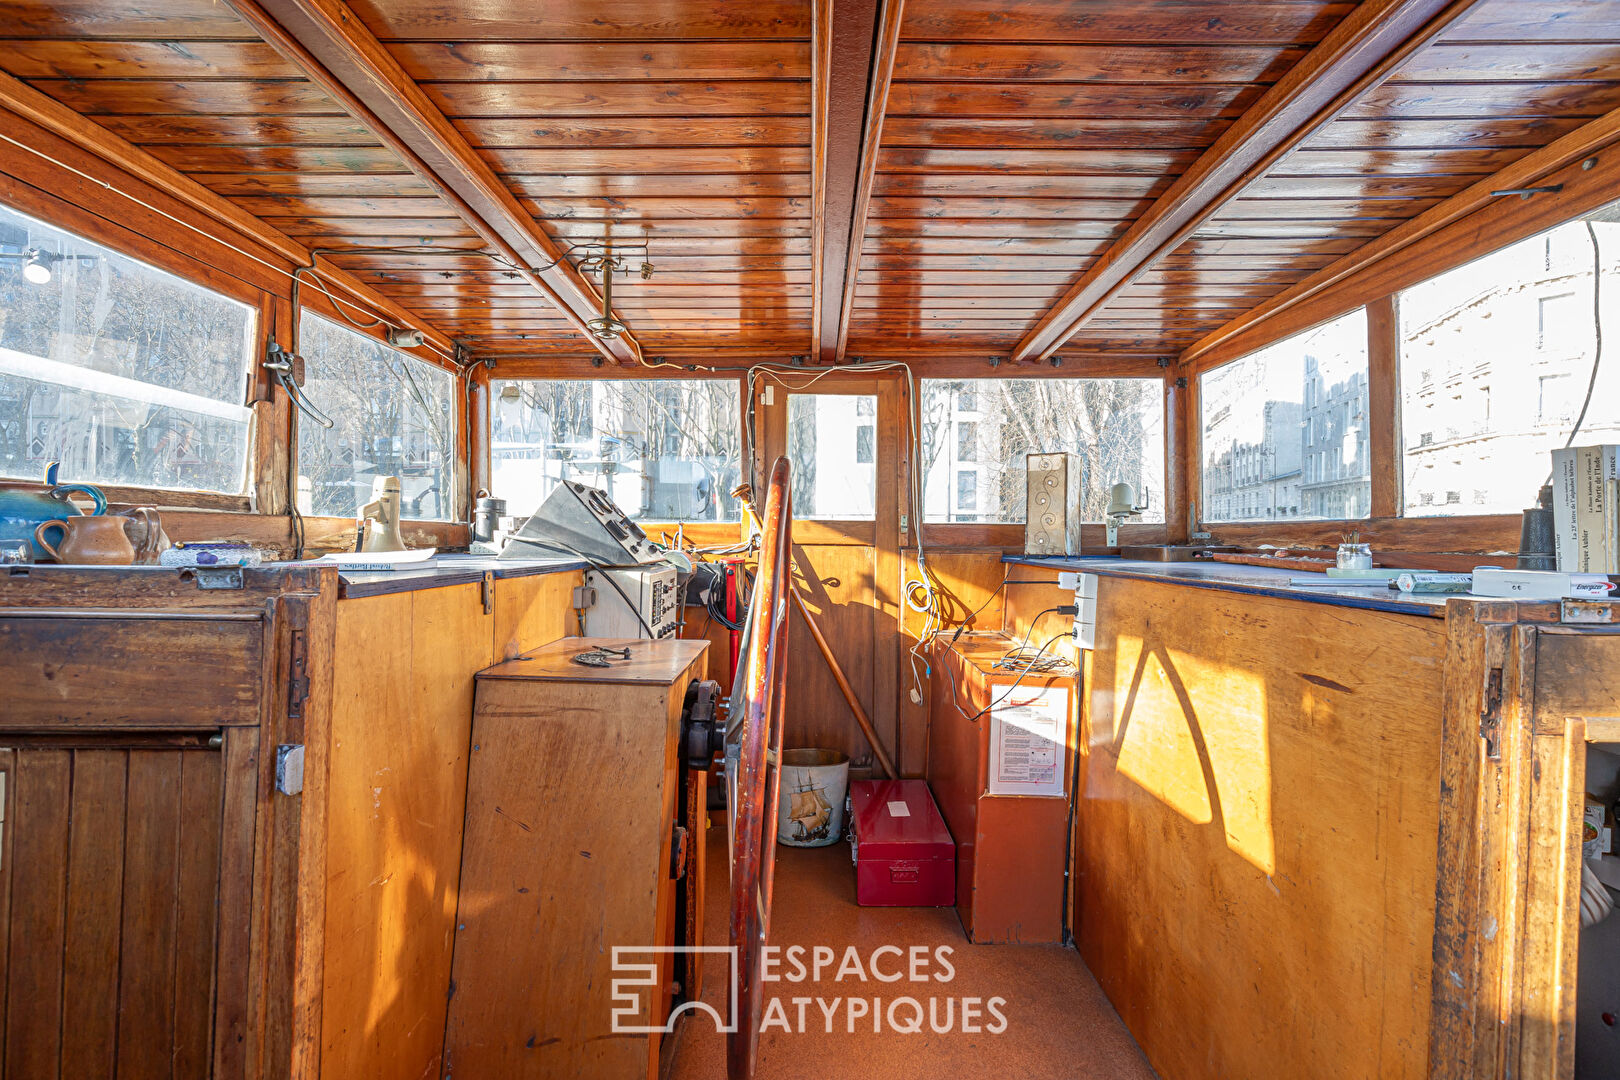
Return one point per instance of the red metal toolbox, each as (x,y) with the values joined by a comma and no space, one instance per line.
(904,855)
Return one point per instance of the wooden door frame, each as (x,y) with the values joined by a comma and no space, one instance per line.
(1507,894)
(882,534)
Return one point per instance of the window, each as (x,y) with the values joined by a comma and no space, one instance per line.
(830,481)
(1297,409)
(1522,318)
(392,415)
(1555,399)
(865,444)
(124,373)
(967,490)
(1115,425)
(664,450)
(967,441)
(1559,326)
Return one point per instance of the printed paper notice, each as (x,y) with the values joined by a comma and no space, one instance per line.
(1027,737)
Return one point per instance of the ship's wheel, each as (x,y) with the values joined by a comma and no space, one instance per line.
(754,745)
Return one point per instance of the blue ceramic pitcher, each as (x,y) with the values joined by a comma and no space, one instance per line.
(25,506)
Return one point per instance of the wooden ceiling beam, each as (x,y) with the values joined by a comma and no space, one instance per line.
(1536,167)
(56,118)
(853,47)
(1358,54)
(333,48)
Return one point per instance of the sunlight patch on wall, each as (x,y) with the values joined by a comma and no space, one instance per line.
(1194,734)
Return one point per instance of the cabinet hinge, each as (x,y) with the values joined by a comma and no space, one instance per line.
(298,663)
(1490,714)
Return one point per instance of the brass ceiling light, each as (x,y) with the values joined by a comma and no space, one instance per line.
(608,326)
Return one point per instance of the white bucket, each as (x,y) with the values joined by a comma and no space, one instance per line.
(810,812)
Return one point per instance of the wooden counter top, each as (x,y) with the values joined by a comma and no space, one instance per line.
(450,569)
(1235,577)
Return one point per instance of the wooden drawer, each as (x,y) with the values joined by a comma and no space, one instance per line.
(126,669)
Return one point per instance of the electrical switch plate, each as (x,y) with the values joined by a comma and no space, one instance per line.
(290,769)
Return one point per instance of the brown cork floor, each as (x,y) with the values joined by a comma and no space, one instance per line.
(1058,1023)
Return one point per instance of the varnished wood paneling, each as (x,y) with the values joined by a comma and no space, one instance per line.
(111,672)
(506,20)
(402,716)
(1249,753)
(113,862)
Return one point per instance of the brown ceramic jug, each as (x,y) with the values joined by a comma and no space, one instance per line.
(145,531)
(89,541)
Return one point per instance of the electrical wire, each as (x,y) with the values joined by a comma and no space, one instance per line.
(602,568)
(1032,664)
(1597,330)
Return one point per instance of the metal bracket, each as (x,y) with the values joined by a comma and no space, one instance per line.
(487,592)
(1589,611)
(218,577)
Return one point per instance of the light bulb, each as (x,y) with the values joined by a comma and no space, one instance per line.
(37,269)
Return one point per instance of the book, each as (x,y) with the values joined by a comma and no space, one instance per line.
(1564,484)
(1611,525)
(353,561)
(1582,507)
(1540,584)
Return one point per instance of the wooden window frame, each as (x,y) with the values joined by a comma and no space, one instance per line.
(92,226)
(701,533)
(1586,185)
(1009,536)
(460,471)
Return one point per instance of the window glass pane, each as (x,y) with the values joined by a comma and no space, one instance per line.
(120,371)
(1496,359)
(975,433)
(826,447)
(1285,429)
(664,450)
(393,415)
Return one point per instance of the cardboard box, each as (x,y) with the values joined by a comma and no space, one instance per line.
(904,855)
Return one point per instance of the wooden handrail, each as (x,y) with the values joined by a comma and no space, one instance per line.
(756,783)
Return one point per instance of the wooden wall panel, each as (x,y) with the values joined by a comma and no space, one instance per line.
(401,724)
(837,582)
(1255,850)
(533,611)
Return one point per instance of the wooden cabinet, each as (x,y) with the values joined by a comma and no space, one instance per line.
(569,853)
(1525,691)
(156,891)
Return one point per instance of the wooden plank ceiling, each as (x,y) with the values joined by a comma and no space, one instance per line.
(1019,141)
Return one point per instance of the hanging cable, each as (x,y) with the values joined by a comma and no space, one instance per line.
(1597,330)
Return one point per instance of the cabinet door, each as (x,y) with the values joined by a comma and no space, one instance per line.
(110,857)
